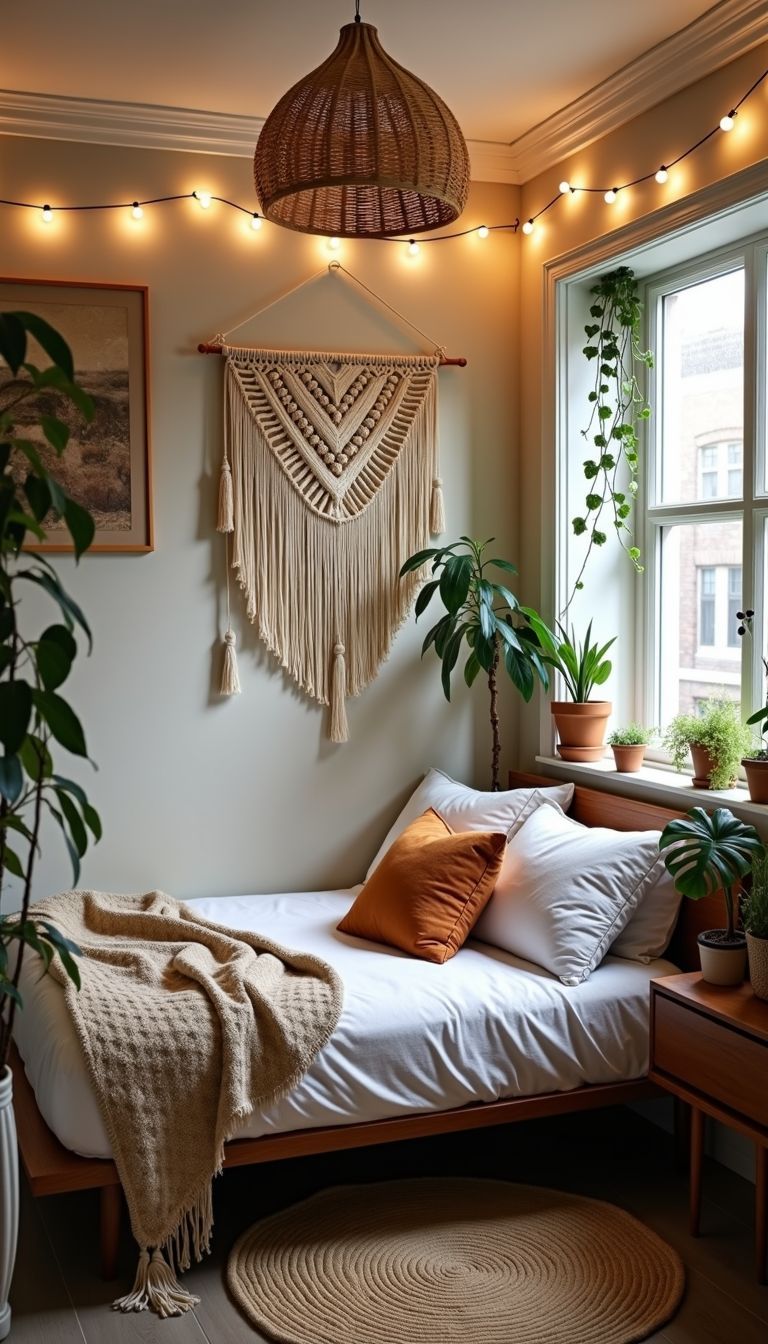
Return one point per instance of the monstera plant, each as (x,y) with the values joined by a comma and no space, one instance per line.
(483,615)
(35,719)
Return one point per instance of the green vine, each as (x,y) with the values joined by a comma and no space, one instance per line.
(618,408)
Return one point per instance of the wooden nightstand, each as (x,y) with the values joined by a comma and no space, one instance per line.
(709,1047)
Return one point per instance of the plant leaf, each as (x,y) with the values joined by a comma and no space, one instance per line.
(15,711)
(11,778)
(62,721)
(706,852)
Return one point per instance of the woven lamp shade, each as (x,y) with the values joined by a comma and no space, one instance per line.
(361,148)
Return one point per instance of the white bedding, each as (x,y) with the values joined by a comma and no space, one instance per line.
(412,1036)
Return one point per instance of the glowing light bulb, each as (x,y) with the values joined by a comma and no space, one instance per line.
(528,226)
(256,221)
(564,187)
(610,196)
(413,249)
(333,244)
(483,231)
(662,175)
(136,211)
(203,199)
(47,214)
(726,123)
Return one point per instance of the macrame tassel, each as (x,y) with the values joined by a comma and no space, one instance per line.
(226,522)
(437,508)
(156,1289)
(339,730)
(230,681)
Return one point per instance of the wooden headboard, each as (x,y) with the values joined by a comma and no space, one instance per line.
(593,807)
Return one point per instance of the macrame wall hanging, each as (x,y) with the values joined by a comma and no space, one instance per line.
(329,481)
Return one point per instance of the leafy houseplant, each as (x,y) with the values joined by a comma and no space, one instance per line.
(628,746)
(705,853)
(484,614)
(618,409)
(755,761)
(34,717)
(755,912)
(583,665)
(717,741)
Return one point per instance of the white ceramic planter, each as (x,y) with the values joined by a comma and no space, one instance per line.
(9,1197)
(722,965)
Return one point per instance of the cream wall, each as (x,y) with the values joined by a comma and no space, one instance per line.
(200,795)
(637,148)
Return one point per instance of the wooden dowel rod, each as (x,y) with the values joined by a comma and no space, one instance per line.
(205,348)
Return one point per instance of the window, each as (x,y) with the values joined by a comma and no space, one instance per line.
(707,484)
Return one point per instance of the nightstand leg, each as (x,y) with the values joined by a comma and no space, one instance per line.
(682,1122)
(697,1152)
(761,1209)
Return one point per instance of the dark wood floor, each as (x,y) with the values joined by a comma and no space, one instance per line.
(58,1297)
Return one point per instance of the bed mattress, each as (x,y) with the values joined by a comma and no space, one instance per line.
(412,1037)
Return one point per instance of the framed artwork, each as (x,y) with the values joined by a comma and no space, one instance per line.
(107,463)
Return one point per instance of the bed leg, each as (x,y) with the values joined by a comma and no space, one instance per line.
(110,1211)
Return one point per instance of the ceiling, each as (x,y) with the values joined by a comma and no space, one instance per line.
(503,66)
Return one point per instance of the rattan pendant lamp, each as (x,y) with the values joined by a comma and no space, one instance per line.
(361,148)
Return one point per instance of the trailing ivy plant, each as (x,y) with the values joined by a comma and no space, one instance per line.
(35,719)
(618,410)
(483,613)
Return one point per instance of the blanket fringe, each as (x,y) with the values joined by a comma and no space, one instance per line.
(156,1288)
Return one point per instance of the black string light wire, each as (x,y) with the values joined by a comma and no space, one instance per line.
(205,198)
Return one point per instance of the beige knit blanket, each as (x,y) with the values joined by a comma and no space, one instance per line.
(186,1027)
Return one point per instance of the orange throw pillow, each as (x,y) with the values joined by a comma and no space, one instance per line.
(429,889)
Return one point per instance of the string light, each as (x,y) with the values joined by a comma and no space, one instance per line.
(206,198)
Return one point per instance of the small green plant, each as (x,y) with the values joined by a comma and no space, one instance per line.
(755,907)
(760,718)
(719,730)
(618,409)
(634,735)
(705,852)
(484,614)
(583,666)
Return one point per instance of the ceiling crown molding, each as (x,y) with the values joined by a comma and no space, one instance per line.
(728,30)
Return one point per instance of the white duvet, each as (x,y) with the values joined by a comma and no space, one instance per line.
(412,1036)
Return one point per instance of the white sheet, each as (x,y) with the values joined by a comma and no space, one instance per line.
(412,1036)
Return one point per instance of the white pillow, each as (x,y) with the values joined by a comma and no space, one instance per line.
(467,809)
(648,932)
(566,891)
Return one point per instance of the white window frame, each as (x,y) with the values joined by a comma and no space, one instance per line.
(752,509)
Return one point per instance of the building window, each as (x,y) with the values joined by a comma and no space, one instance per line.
(706,510)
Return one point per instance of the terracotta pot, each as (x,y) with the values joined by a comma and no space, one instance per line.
(757,951)
(581,728)
(629,758)
(9,1197)
(722,963)
(703,765)
(757,779)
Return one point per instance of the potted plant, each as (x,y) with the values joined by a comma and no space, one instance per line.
(717,740)
(755,914)
(755,761)
(706,852)
(484,614)
(628,746)
(34,717)
(580,721)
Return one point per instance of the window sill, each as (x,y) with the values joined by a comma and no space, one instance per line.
(659,784)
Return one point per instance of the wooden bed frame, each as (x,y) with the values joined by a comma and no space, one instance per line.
(53,1169)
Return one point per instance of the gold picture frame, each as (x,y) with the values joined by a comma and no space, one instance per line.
(107,465)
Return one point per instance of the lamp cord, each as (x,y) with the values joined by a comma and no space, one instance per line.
(357,11)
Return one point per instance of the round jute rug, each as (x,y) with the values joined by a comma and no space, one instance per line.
(432,1261)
